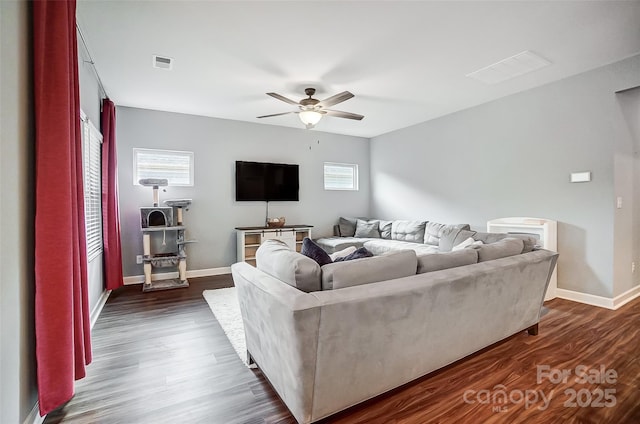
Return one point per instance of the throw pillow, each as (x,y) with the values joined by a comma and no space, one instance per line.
(342,253)
(367,229)
(468,242)
(385,229)
(311,250)
(452,237)
(347,226)
(358,254)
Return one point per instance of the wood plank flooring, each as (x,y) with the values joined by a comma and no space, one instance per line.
(161,357)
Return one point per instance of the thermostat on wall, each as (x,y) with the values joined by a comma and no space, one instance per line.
(581,177)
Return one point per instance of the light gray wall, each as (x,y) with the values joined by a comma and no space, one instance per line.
(513,157)
(18,392)
(90,100)
(217,144)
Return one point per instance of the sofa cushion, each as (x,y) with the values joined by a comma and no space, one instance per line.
(530,241)
(444,260)
(385,229)
(342,253)
(435,231)
(453,237)
(508,246)
(380,246)
(368,229)
(408,231)
(347,226)
(335,244)
(469,241)
(393,265)
(275,258)
(311,250)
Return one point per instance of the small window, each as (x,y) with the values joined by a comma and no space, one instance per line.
(175,166)
(340,176)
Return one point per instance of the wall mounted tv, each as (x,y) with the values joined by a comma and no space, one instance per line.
(266,181)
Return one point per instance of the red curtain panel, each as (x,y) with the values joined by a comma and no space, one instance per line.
(110,213)
(63,340)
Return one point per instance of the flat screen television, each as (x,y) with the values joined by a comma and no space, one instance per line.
(266,181)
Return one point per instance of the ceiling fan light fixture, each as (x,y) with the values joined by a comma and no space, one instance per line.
(310,118)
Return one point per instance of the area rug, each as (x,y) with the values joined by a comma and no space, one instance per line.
(225,307)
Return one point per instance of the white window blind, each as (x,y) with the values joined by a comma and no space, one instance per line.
(92,164)
(340,176)
(175,166)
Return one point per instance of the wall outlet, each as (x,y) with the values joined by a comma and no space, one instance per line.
(138,259)
(633,267)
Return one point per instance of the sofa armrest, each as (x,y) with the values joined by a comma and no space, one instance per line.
(281,329)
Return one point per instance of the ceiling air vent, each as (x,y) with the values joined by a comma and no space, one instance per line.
(162,62)
(511,67)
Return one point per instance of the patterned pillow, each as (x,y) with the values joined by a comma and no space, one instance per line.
(358,254)
(315,252)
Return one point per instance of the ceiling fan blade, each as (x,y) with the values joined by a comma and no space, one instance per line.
(284,99)
(275,114)
(340,114)
(334,100)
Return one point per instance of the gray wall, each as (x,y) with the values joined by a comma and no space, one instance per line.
(18,391)
(513,157)
(217,144)
(90,100)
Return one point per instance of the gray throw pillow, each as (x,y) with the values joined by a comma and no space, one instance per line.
(385,229)
(367,229)
(452,236)
(347,226)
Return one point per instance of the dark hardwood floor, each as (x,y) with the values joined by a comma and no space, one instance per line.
(161,357)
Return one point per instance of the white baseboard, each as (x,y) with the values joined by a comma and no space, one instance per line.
(34,416)
(95,313)
(600,301)
(208,272)
(626,297)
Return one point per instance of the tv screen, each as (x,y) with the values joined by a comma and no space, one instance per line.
(266,181)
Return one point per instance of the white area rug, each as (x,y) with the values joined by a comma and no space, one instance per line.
(225,307)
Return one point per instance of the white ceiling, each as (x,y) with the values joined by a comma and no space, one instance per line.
(405,61)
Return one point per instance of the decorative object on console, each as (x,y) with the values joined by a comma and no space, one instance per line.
(276,222)
(250,238)
(312,110)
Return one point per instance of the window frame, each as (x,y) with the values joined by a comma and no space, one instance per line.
(187,153)
(356,176)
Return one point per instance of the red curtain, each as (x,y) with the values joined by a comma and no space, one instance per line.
(110,213)
(63,340)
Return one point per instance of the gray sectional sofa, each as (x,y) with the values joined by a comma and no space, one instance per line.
(330,337)
(421,236)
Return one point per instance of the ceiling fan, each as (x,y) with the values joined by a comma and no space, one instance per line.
(312,110)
